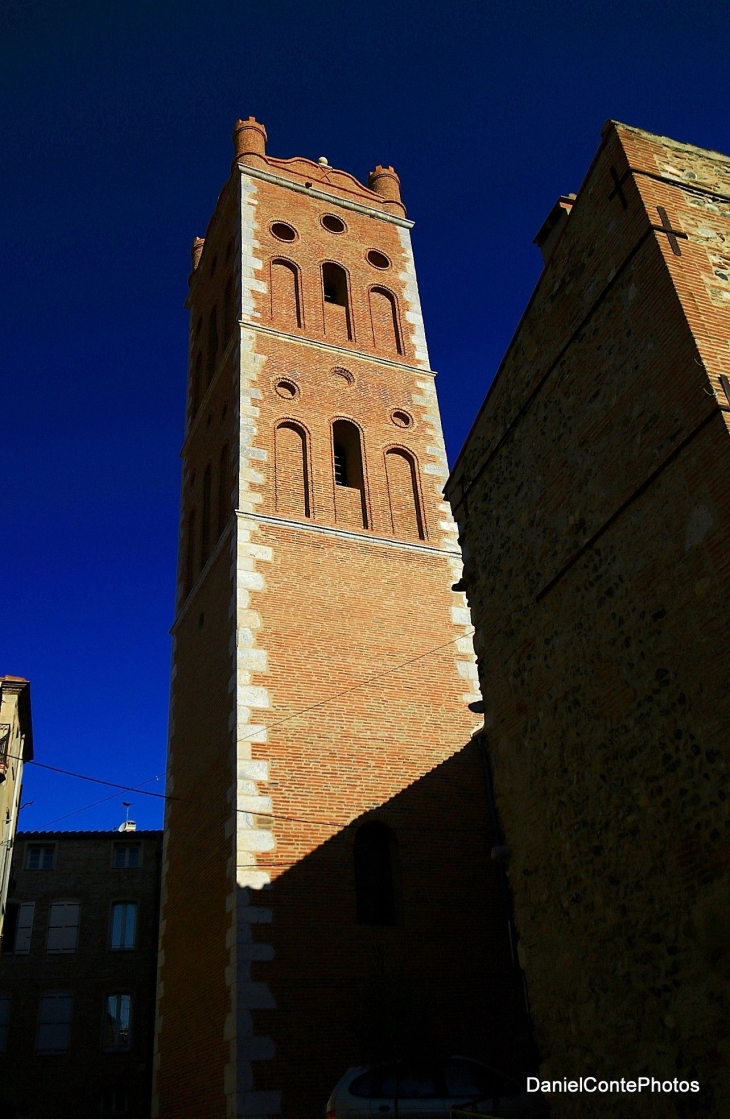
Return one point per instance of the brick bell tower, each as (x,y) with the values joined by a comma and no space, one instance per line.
(327,895)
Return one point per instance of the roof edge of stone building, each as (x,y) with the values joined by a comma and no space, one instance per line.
(90,833)
(22,686)
(678,145)
(652,142)
(518,327)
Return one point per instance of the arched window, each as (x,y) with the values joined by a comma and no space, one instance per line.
(286,303)
(406,514)
(224,490)
(205,519)
(190,554)
(384,319)
(374,873)
(228,312)
(350,502)
(292,472)
(337,324)
(212,342)
(197,390)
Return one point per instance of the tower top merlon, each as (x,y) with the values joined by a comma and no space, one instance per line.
(249,143)
(385,182)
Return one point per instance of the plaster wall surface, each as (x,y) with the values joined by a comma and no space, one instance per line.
(16,748)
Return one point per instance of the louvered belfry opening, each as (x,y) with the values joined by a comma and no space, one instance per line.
(335,295)
(350,498)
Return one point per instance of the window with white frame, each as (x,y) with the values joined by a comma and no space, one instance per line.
(18,928)
(63,926)
(127,855)
(40,857)
(4,1015)
(123,925)
(54,1023)
(117,1021)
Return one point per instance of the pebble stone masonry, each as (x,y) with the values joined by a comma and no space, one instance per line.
(593,499)
(322,668)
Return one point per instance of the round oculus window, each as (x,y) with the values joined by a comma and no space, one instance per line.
(283,232)
(333,224)
(287,390)
(378,259)
(401,418)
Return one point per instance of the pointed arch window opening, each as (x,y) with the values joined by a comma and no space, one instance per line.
(385,321)
(212,343)
(292,476)
(340,457)
(347,453)
(205,519)
(190,554)
(336,301)
(375,874)
(224,487)
(228,312)
(197,386)
(349,475)
(404,496)
(286,294)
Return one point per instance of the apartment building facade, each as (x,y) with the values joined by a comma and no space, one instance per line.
(77,975)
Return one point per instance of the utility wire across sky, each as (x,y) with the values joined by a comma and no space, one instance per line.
(279,722)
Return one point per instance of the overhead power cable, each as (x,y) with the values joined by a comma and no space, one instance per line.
(279,722)
(361,684)
(104,800)
(100,781)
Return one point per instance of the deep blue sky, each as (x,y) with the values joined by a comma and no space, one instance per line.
(117,121)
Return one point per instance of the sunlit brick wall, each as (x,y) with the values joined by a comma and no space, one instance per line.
(321,675)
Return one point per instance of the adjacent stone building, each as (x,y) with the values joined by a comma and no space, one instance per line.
(328,896)
(593,498)
(77,975)
(16,748)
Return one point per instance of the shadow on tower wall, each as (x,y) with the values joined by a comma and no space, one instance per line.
(439,980)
